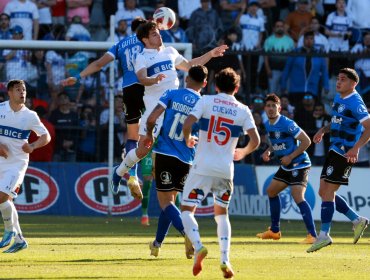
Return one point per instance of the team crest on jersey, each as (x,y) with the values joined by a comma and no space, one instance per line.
(361,109)
(341,108)
(347,172)
(277,134)
(196,194)
(166,177)
(295,173)
(329,170)
(189,99)
(293,127)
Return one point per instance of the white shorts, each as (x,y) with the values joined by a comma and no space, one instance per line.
(11,177)
(198,186)
(158,124)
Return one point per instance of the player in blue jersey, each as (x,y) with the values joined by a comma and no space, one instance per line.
(125,51)
(16,123)
(289,144)
(156,70)
(173,158)
(349,117)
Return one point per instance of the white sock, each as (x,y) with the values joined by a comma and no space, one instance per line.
(16,225)
(129,161)
(224,236)
(7,214)
(191,229)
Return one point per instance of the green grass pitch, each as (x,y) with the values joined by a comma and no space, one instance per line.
(117,248)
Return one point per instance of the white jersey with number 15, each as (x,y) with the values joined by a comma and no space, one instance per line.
(222,119)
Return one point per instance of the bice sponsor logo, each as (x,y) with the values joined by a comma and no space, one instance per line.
(39,192)
(92,189)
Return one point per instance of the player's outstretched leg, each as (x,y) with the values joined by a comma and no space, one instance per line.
(321,242)
(273,232)
(189,249)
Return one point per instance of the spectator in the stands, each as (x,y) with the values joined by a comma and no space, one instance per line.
(320,150)
(25,14)
(45,19)
(128,13)
(204,27)
(77,31)
(305,73)
(59,12)
(274,64)
(121,30)
(174,35)
(79,8)
(297,20)
(359,11)
(4,35)
(87,144)
(55,72)
(321,42)
(362,66)
(229,11)
(65,120)
(17,60)
(184,9)
(338,28)
(45,153)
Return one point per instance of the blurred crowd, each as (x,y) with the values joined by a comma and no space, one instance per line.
(291,47)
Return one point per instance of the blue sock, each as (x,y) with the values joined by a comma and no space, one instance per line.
(130,145)
(275,208)
(327,212)
(162,229)
(342,207)
(306,212)
(173,214)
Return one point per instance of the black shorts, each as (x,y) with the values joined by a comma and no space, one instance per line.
(293,177)
(133,104)
(336,169)
(170,173)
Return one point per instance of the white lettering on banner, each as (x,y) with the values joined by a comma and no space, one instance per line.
(249,205)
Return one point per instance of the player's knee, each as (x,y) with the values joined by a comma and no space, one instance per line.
(271,192)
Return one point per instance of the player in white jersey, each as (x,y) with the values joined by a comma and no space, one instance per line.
(156,68)
(222,119)
(16,123)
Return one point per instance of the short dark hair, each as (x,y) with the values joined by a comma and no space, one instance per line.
(272,97)
(144,30)
(227,80)
(309,33)
(136,23)
(13,83)
(350,73)
(5,15)
(198,73)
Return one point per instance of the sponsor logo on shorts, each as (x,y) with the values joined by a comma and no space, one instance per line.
(39,192)
(295,173)
(347,172)
(92,189)
(166,178)
(329,170)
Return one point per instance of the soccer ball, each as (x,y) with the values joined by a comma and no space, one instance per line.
(164,17)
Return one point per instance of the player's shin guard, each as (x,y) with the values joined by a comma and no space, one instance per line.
(131,145)
(275,209)
(224,236)
(164,224)
(191,229)
(7,214)
(327,212)
(342,207)
(173,213)
(306,213)
(130,160)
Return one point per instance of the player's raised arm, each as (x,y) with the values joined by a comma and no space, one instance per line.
(92,68)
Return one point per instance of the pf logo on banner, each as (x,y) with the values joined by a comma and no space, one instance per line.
(287,201)
(39,191)
(92,189)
